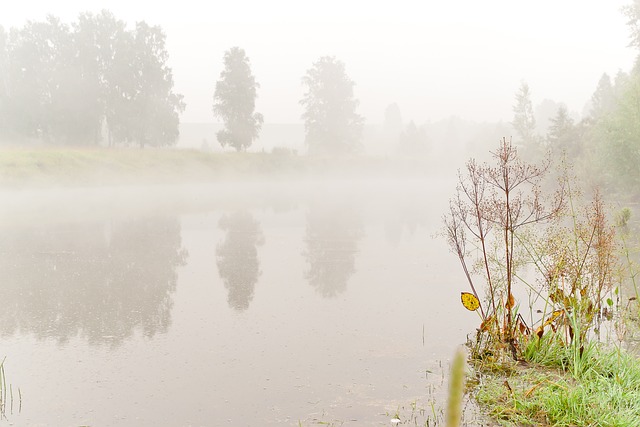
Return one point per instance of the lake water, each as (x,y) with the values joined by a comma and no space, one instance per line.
(247,304)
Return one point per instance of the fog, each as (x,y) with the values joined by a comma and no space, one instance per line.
(240,304)
(242,223)
(434,59)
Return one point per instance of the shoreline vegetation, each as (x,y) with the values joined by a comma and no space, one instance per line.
(556,385)
(551,273)
(67,167)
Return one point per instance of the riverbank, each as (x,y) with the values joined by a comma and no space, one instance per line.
(23,167)
(558,385)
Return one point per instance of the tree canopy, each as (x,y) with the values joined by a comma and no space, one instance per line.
(632,12)
(603,99)
(616,134)
(74,83)
(331,122)
(234,102)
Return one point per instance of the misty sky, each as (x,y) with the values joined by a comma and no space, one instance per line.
(434,59)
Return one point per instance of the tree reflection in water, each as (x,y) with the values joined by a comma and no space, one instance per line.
(332,236)
(237,257)
(99,281)
(404,219)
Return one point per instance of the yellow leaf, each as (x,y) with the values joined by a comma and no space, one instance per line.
(552,318)
(549,321)
(469,301)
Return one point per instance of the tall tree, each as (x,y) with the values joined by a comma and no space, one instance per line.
(96,38)
(613,128)
(234,102)
(47,96)
(107,53)
(562,135)
(543,113)
(331,122)
(524,121)
(64,83)
(141,105)
(31,68)
(156,108)
(603,99)
(70,115)
(618,147)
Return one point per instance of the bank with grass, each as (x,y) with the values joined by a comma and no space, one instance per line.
(69,166)
(556,385)
(120,166)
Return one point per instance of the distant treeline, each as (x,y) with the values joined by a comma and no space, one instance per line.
(96,81)
(88,82)
(602,147)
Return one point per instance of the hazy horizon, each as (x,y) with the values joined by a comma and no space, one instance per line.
(464,59)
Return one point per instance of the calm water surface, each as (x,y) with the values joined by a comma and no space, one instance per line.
(246,304)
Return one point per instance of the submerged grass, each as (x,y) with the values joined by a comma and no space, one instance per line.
(6,395)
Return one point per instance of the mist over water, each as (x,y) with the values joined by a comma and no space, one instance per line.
(254,304)
(230,214)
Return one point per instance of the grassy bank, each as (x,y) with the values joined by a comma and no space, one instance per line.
(102,166)
(75,166)
(556,385)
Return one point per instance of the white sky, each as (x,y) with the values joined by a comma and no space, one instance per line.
(435,59)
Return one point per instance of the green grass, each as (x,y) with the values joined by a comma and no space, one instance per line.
(53,166)
(72,166)
(562,386)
